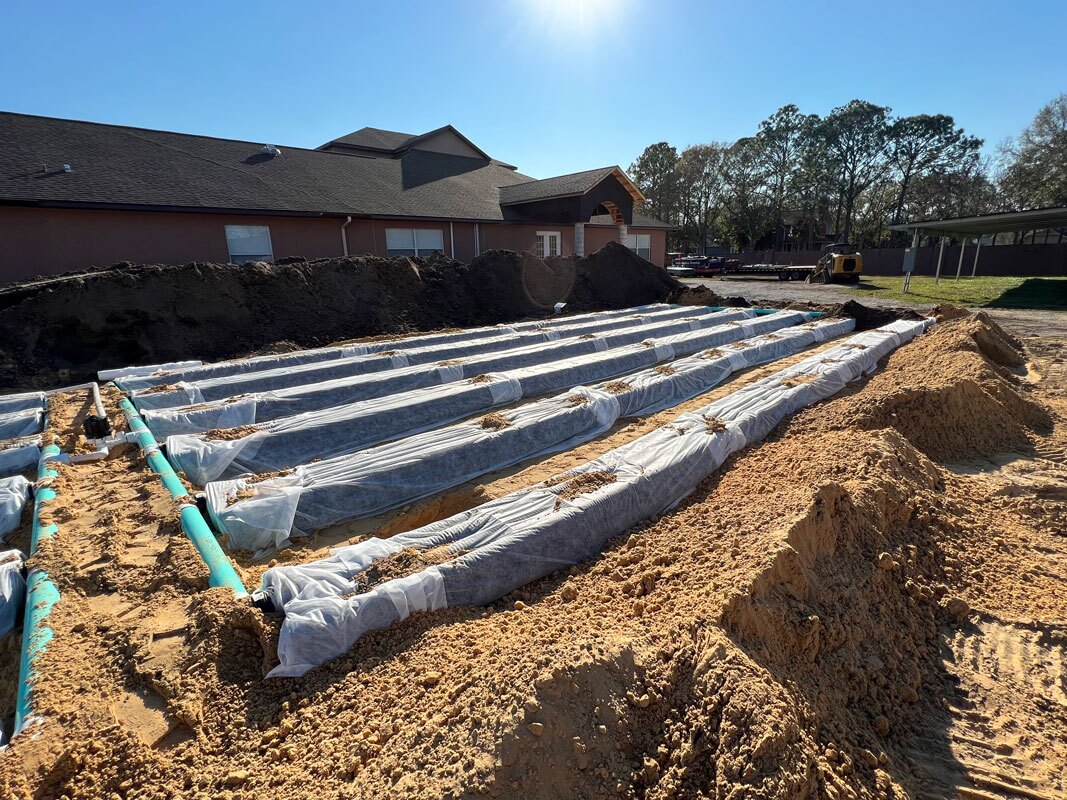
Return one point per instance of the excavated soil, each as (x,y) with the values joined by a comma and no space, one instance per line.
(869,604)
(62,330)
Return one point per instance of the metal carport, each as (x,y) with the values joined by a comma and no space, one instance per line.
(964,227)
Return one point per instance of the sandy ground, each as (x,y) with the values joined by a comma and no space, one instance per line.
(871,603)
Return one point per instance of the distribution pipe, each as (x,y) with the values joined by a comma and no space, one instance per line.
(41,592)
(220,569)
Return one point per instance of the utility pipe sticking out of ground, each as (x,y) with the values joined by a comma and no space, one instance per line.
(41,592)
(195,527)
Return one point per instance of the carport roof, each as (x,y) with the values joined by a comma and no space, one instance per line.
(1035,219)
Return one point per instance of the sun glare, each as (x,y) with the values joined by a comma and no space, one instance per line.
(574,19)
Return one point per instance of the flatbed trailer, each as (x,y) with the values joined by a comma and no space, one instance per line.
(785,272)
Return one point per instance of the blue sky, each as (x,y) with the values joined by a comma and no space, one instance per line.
(552,86)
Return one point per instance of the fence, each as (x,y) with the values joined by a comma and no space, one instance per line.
(1029,260)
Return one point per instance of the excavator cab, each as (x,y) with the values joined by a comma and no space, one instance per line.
(839,263)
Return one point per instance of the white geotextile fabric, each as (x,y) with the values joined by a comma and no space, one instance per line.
(21,423)
(368,482)
(372,481)
(134,379)
(12,590)
(19,456)
(261,375)
(14,494)
(266,406)
(290,441)
(27,401)
(518,538)
(168,367)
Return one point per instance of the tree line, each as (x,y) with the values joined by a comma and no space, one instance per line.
(802,180)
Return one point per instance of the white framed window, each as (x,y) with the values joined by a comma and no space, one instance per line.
(414,241)
(640,243)
(548,244)
(249,243)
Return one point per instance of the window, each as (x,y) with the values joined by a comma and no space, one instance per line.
(548,244)
(414,242)
(249,243)
(640,243)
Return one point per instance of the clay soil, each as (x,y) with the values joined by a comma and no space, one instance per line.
(871,603)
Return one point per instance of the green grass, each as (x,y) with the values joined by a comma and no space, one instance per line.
(972,292)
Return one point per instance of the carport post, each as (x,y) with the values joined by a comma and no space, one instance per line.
(909,259)
(977,251)
(940,254)
(963,246)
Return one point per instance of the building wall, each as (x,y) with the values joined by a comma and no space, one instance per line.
(1018,260)
(47,241)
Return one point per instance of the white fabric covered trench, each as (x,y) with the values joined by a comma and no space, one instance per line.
(270,405)
(357,359)
(358,485)
(136,379)
(326,433)
(520,537)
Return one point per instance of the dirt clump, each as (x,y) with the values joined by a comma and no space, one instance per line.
(230,434)
(480,379)
(399,565)
(616,387)
(714,425)
(494,422)
(582,483)
(665,369)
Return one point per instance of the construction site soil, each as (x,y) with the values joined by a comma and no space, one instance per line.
(871,603)
(56,331)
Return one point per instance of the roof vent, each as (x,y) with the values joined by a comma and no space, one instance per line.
(271,150)
(66,168)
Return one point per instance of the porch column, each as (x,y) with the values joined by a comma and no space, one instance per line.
(579,238)
(624,231)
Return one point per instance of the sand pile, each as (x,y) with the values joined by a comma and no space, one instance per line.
(128,315)
(781,634)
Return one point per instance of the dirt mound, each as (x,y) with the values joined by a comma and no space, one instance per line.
(951,394)
(869,316)
(614,277)
(63,330)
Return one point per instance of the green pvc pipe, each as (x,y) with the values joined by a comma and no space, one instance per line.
(220,570)
(41,594)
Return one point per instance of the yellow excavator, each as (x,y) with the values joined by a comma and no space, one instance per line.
(839,263)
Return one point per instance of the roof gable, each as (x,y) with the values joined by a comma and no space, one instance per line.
(574,184)
(372,139)
(393,144)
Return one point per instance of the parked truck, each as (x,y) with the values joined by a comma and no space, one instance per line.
(839,263)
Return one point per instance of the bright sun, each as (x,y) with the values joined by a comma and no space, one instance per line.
(572,19)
